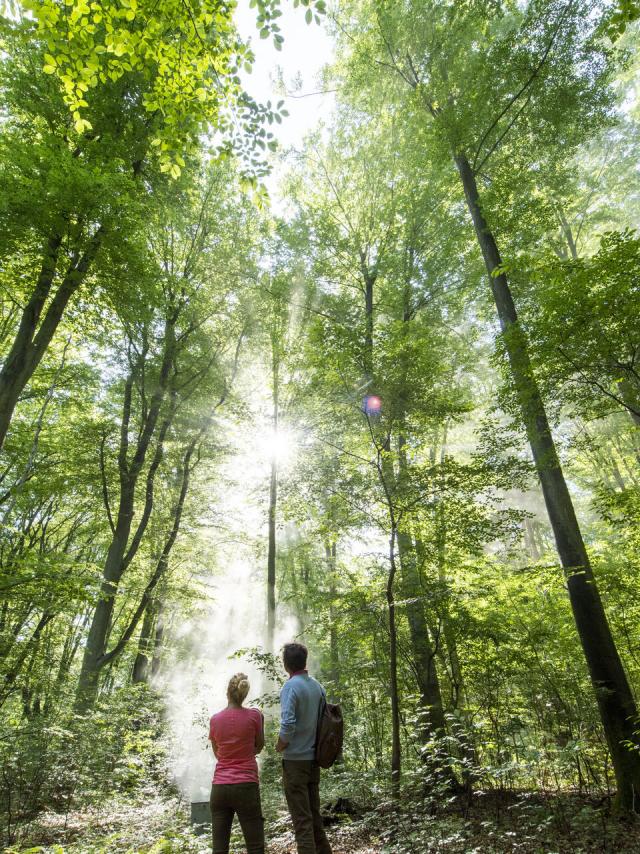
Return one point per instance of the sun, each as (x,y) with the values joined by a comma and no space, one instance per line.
(279,445)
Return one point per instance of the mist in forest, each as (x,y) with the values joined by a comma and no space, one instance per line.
(232,617)
(195,686)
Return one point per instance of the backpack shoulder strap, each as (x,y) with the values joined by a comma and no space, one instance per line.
(321,707)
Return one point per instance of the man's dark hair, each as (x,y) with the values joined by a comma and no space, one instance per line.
(294,656)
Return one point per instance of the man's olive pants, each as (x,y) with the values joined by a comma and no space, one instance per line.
(243,799)
(302,789)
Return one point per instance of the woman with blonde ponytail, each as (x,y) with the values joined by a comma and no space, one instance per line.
(237,736)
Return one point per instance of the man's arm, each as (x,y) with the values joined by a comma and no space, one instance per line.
(287,718)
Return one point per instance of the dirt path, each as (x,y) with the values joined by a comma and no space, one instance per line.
(525,824)
(159,826)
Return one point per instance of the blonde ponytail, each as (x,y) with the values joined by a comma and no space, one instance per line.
(238,688)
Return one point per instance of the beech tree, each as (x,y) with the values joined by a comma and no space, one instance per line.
(531,64)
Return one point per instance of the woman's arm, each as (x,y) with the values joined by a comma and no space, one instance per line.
(260,735)
(214,748)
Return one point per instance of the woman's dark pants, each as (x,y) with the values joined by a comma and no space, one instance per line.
(243,800)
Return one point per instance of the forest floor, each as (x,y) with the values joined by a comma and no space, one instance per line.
(526,824)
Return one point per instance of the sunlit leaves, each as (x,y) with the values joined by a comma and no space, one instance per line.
(187,69)
(582,316)
(621,14)
(180,58)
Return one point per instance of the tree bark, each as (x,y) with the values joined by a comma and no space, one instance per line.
(423,651)
(466,747)
(271,555)
(33,337)
(440,522)
(334,656)
(396,753)
(615,701)
(10,677)
(631,399)
(158,641)
(86,697)
(369,281)
(163,561)
(273,494)
(530,540)
(140,672)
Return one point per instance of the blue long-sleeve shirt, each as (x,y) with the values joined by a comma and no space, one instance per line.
(300,700)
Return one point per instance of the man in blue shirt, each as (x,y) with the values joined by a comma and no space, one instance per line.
(300,702)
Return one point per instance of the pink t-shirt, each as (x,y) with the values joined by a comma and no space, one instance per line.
(234,733)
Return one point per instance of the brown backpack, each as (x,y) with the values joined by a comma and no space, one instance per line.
(329,735)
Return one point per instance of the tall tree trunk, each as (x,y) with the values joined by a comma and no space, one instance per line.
(34,335)
(423,651)
(615,701)
(441,553)
(121,552)
(10,677)
(158,640)
(102,615)
(631,398)
(387,481)
(330,551)
(271,555)
(158,573)
(276,352)
(369,281)
(466,748)
(140,672)
(530,539)
(396,754)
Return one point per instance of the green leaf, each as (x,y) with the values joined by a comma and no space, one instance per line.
(82,125)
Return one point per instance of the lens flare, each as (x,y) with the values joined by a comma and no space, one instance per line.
(372,405)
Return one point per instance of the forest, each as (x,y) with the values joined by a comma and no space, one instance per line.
(355,364)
